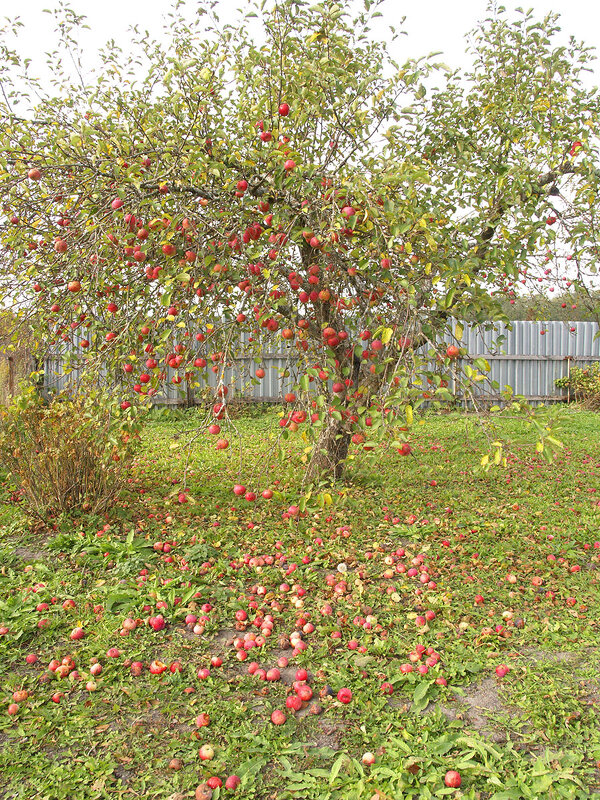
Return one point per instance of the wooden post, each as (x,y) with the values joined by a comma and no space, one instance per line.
(189,396)
(11,376)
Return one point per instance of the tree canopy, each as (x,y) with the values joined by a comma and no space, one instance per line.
(281,177)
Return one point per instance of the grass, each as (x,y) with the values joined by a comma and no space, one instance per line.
(525,539)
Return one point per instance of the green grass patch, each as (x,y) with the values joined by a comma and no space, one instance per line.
(506,572)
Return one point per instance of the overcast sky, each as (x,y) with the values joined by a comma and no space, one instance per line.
(431,26)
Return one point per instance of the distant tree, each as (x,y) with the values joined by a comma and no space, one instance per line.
(577,304)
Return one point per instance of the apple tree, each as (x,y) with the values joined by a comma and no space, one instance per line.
(279,181)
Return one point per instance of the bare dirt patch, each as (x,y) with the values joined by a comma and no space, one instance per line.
(481,700)
(574,657)
(475,707)
(329,735)
(28,554)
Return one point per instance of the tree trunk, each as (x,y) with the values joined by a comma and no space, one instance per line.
(329,454)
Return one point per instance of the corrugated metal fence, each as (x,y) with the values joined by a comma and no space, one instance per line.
(531,356)
(528,357)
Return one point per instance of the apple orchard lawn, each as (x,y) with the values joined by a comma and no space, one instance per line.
(510,568)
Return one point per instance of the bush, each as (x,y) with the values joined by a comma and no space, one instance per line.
(69,454)
(584,384)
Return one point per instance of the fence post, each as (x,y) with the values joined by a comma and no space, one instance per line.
(189,396)
(11,376)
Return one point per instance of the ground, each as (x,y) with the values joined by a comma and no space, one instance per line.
(507,562)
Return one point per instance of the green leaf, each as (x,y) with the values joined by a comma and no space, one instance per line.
(420,699)
(335,769)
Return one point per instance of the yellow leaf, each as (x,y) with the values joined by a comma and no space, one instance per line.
(386,335)
(409,415)
(431,242)
(458,331)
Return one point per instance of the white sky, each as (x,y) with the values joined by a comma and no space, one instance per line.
(431,25)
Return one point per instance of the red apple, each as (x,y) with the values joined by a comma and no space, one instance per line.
(293,702)
(203,792)
(206,752)
(344,696)
(232,782)
(452,779)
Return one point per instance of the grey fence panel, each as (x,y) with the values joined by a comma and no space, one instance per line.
(531,356)
(520,357)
